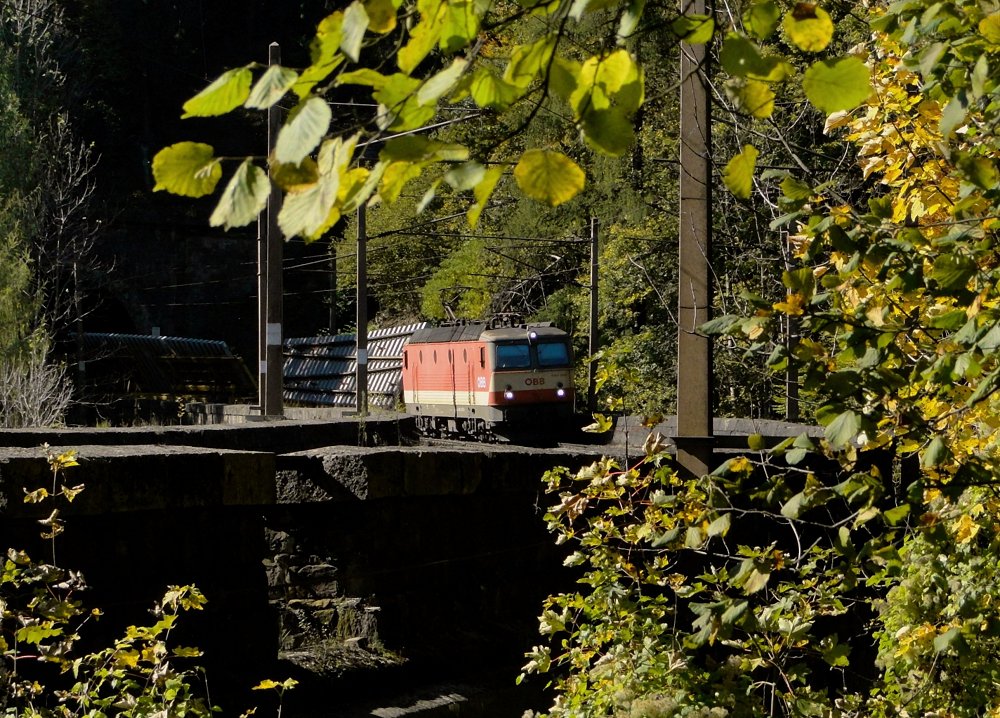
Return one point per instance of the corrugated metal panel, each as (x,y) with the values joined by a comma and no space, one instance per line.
(321,371)
(162,346)
(119,365)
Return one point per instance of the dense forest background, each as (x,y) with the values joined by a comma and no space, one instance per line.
(157,266)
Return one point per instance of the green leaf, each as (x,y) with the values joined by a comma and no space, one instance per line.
(465,176)
(35,634)
(980,76)
(732,614)
(843,429)
(720,526)
(947,639)
(441,83)
(189,169)
(400,109)
(630,19)
(601,425)
(482,193)
(953,114)
(894,516)
(756,580)
(416,148)
(935,454)
(953,271)
(243,198)
(989,341)
(295,176)
(834,85)
(608,80)
(424,37)
(756,442)
(837,654)
(304,212)
(741,58)
(396,175)
(809,27)
(980,171)
(227,92)
(428,196)
(666,538)
(721,325)
(271,87)
(751,97)
(363,76)
(738,173)
(302,132)
(580,7)
(929,59)
(794,506)
(461,26)
(355,24)
(608,131)
(694,538)
(794,189)
(986,386)
(761,18)
(528,61)
(951,320)
(492,93)
(549,176)
(694,29)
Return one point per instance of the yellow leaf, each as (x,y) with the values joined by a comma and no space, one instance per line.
(549,176)
(129,659)
(965,529)
(187,652)
(381,15)
(33,497)
(989,27)
(793,305)
(808,26)
(738,173)
(740,465)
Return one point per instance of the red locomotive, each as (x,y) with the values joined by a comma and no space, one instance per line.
(484,379)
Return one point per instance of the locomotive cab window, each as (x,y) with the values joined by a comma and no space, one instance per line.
(513,356)
(553,354)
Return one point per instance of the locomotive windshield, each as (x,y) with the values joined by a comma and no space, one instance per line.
(521,355)
(513,356)
(552,354)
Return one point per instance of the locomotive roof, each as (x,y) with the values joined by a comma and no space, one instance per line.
(480,331)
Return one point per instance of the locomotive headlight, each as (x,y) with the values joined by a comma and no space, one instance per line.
(532,336)
(508,393)
(560,393)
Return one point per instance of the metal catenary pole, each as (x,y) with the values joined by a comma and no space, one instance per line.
(593,341)
(362,356)
(273,399)
(694,352)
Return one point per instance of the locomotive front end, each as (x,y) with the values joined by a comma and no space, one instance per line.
(531,377)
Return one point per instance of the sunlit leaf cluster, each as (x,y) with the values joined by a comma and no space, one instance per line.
(894,293)
(454,52)
(736,594)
